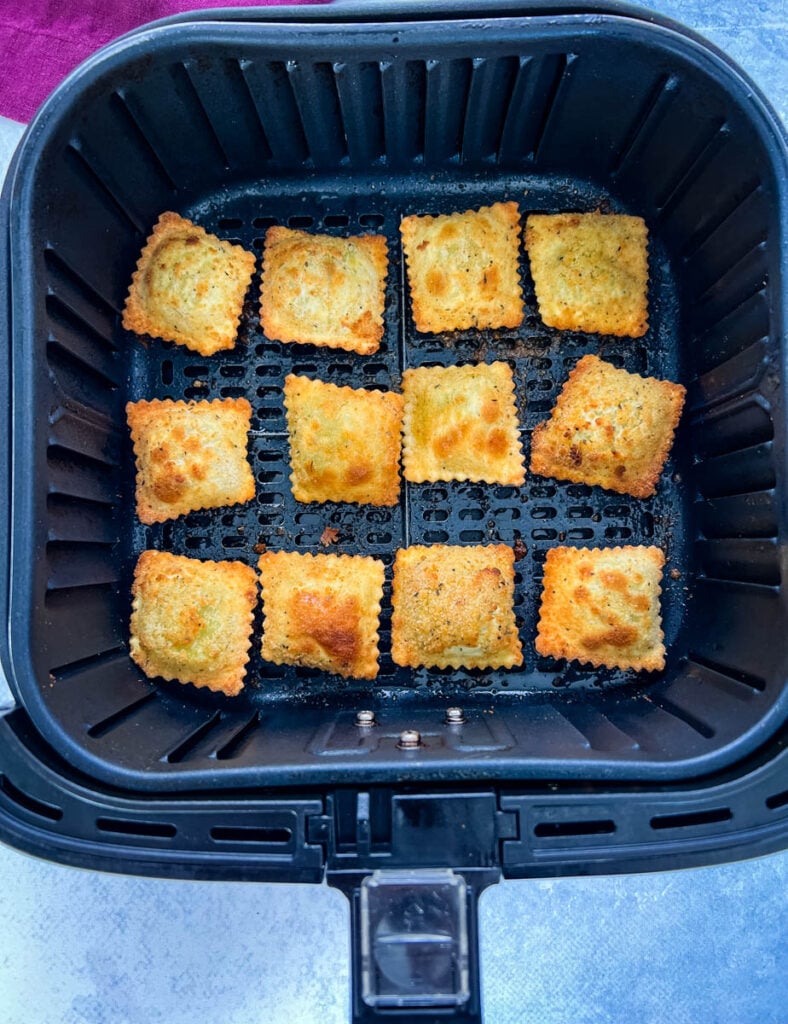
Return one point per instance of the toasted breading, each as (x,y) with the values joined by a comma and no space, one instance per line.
(454,607)
(600,606)
(324,290)
(590,271)
(344,443)
(609,427)
(460,423)
(188,287)
(322,611)
(190,455)
(463,268)
(192,620)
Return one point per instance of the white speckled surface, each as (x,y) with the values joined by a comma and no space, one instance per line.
(708,946)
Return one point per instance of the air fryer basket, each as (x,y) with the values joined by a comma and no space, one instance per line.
(321,119)
(346,130)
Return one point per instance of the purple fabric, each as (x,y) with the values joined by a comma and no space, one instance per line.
(42,40)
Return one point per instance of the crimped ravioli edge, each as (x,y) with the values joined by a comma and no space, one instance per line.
(140,411)
(373,611)
(408,441)
(656,662)
(643,486)
(432,324)
(409,660)
(565,325)
(235,680)
(376,247)
(135,317)
(395,494)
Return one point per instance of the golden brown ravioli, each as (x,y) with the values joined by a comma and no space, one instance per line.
(454,607)
(324,290)
(609,427)
(192,620)
(463,268)
(322,611)
(460,423)
(590,271)
(190,455)
(344,443)
(188,287)
(600,606)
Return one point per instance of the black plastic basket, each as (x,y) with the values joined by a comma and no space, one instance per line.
(327,119)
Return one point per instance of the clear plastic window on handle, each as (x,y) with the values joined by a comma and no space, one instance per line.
(414,939)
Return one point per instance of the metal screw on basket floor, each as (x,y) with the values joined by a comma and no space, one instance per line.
(454,716)
(365,719)
(409,739)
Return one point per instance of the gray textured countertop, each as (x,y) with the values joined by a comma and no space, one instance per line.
(708,946)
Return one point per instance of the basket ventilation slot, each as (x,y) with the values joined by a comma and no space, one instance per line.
(692,819)
(126,827)
(121,716)
(233,747)
(559,829)
(187,745)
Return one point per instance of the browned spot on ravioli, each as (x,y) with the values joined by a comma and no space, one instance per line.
(617,636)
(332,622)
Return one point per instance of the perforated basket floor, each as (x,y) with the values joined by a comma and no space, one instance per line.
(540,515)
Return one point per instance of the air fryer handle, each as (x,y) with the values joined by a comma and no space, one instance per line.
(415,952)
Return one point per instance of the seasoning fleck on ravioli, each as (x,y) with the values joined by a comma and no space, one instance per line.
(344,443)
(324,290)
(600,606)
(463,268)
(460,423)
(192,620)
(609,427)
(590,271)
(454,607)
(188,287)
(322,611)
(190,455)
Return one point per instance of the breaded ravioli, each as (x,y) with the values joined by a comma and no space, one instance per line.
(192,620)
(609,427)
(454,607)
(590,271)
(460,423)
(322,611)
(323,290)
(188,287)
(344,442)
(600,606)
(190,455)
(463,268)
